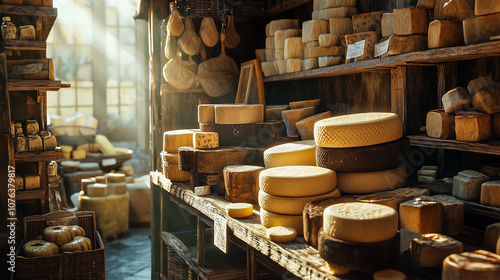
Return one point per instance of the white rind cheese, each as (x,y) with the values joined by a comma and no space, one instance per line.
(311,30)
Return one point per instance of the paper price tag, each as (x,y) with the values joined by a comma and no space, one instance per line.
(355,50)
(381,48)
(220,233)
(108,161)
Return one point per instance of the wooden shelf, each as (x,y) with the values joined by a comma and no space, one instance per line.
(39,156)
(30,194)
(170,89)
(22,45)
(491,147)
(41,85)
(428,57)
(283,6)
(26,10)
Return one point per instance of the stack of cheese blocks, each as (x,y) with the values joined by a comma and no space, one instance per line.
(470,114)
(112,183)
(427,174)
(364,149)
(27,182)
(35,139)
(172,140)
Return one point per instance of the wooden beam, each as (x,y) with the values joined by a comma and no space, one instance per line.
(399,93)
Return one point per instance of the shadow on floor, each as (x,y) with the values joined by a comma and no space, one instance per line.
(130,257)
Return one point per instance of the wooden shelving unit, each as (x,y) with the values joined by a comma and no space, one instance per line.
(30,194)
(491,147)
(39,156)
(40,85)
(20,45)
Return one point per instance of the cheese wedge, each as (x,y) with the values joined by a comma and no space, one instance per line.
(311,30)
(431,249)
(324,4)
(406,44)
(479,83)
(327,40)
(239,113)
(479,29)
(338,12)
(270,219)
(480,264)
(486,7)
(456,99)
(490,193)
(308,46)
(239,210)
(410,21)
(340,26)
(453,219)
(368,22)
(295,153)
(487,99)
(305,103)
(305,127)
(458,10)
(371,39)
(290,205)
(421,214)
(467,184)
(281,24)
(309,63)
(426,4)
(282,234)
(473,126)
(273,112)
(445,33)
(373,181)
(491,235)
(387,24)
(440,124)
(291,117)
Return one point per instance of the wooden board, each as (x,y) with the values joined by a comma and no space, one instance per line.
(42,85)
(39,156)
(488,147)
(46,72)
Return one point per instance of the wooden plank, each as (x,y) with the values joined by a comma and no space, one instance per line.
(19,66)
(252,265)
(24,45)
(4,97)
(27,85)
(399,93)
(30,194)
(488,147)
(200,242)
(39,156)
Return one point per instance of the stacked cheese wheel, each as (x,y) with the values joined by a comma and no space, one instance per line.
(172,140)
(365,149)
(285,190)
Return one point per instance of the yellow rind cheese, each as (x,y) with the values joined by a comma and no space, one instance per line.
(295,153)
(239,210)
(290,205)
(369,182)
(282,234)
(270,219)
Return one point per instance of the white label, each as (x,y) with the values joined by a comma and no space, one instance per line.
(355,50)
(220,232)
(381,48)
(108,161)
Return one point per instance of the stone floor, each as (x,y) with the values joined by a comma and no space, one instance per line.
(130,257)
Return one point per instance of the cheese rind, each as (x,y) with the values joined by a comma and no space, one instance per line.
(288,154)
(490,193)
(282,234)
(31,181)
(279,39)
(174,139)
(456,99)
(269,68)
(327,40)
(241,183)
(487,99)
(292,116)
(445,33)
(473,126)
(341,26)
(368,22)
(309,63)
(479,83)
(458,10)
(281,24)
(409,21)
(293,65)
(49,142)
(479,29)
(239,210)
(467,184)
(305,127)
(440,124)
(485,7)
(387,24)
(290,205)
(35,143)
(206,113)
(373,181)
(325,61)
(311,30)
(421,214)
(205,140)
(480,264)
(308,46)
(406,44)
(360,222)
(431,249)
(172,172)
(270,219)
(239,113)
(338,12)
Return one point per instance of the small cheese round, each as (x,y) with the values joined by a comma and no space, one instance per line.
(389,274)
(270,219)
(480,264)
(282,234)
(239,210)
(115,178)
(360,222)
(297,181)
(174,139)
(290,205)
(295,153)
(238,113)
(370,182)
(97,189)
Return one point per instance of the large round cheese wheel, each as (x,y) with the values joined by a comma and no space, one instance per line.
(174,139)
(370,182)
(480,264)
(295,153)
(358,130)
(297,180)
(238,113)
(270,219)
(290,205)
(360,222)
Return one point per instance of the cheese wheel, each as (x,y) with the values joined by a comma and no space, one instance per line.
(369,182)
(290,205)
(88,166)
(295,153)
(360,222)
(172,172)
(239,113)
(297,181)
(326,51)
(406,44)
(270,56)
(279,54)
(169,157)
(480,264)
(206,113)
(270,219)
(308,46)
(294,48)
(270,42)
(97,189)
(490,193)
(458,10)
(357,130)
(487,99)
(431,249)
(282,234)
(100,179)
(115,178)
(239,210)
(174,139)
(85,183)
(371,38)
(479,29)
(242,183)
(389,274)
(421,214)
(485,7)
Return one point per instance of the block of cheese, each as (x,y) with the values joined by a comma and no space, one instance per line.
(117,188)
(292,116)
(49,142)
(31,181)
(269,68)
(281,66)
(170,157)
(431,249)
(456,99)
(327,40)
(325,61)
(79,154)
(426,179)
(341,26)
(370,158)
(97,190)
(387,24)
(35,143)
(421,214)
(288,154)
(324,4)
(115,178)
(174,139)
(458,10)
(305,127)
(282,234)
(467,184)
(260,54)
(406,44)
(426,4)
(312,28)
(270,55)
(491,170)
(371,39)
(273,112)
(205,140)
(206,113)
(409,21)
(389,274)
(479,29)
(267,31)
(305,103)
(308,46)
(373,181)
(279,39)
(294,48)
(486,7)
(491,235)
(105,146)
(290,205)
(439,10)
(100,179)
(490,193)
(297,181)
(357,130)
(270,219)
(202,190)
(238,113)
(387,198)
(453,209)
(338,12)
(282,24)
(440,124)
(480,264)
(326,51)
(279,54)
(473,126)
(495,122)
(242,183)
(479,83)
(239,210)
(270,42)
(172,172)
(19,182)
(85,183)
(368,22)
(309,63)
(31,127)
(293,65)
(487,99)
(430,173)
(360,222)
(445,33)
(292,32)
(27,32)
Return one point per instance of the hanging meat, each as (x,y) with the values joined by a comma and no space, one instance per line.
(208,32)
(232,39)
(174,24)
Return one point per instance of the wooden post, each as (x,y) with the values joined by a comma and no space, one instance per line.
(252,265)
(399,93)
(201,242)
(447,79)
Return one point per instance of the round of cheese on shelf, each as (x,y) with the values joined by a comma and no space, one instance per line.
(355,130)
(290,205)
(360,222)
(97,189)
(174,139)
(115,178)
(431,249)
(238,113)
(295,153)
(172,172)
(297,180)
(270,219)
(206,113)
(239,210)
(117,188)
(170,157)
(282,234)
(370,182)
(480,264)
(389,274)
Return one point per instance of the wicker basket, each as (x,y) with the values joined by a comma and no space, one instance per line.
(75,265)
